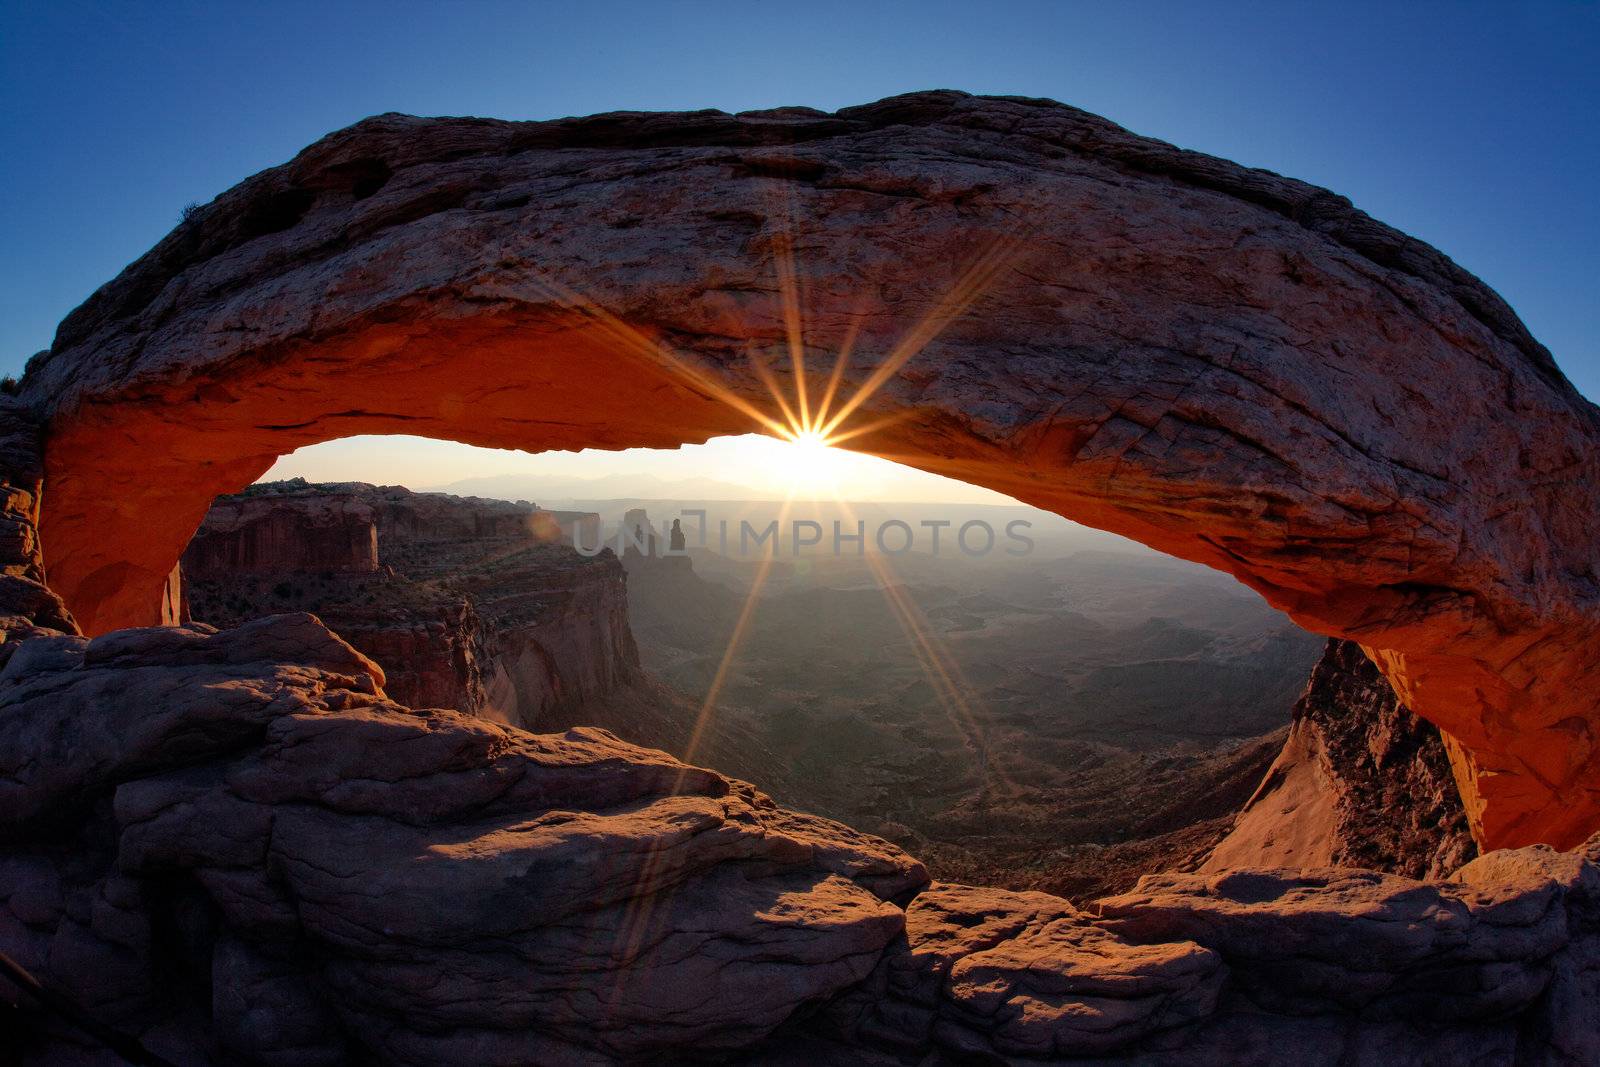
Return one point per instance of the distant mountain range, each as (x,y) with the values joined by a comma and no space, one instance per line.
(728,503)
(550,490)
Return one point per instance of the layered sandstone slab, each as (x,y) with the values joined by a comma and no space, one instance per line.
(1273,967)
(246,535)
(479,605)
(363,880)
(296,526)
(1231,366)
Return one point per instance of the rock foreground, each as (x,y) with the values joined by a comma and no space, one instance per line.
(240,827)
(1233,367)
(420,886)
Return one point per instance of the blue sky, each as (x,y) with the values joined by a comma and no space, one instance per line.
(1472,126)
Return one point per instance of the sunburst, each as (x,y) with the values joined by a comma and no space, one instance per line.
(814,426)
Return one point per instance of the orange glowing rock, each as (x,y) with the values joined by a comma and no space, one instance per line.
(1230,366)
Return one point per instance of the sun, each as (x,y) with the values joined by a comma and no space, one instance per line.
(803,461)
(809,440)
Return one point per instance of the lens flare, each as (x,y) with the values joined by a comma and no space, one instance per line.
(814,429)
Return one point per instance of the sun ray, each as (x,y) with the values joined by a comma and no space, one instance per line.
(796,420)
(758,363)
(950,687)
(736,638)
(821,427)
(973,283)
(656,352)
(791,295)
(841,359)
(640,917)
(876,424)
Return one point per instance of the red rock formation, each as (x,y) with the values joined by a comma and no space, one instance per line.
(478,605)
(363,881)
(1250,967)
(1230,366)
(407,517)
(250,535)
(556,632)
(432,652)
(297,526)
(233,843)
(1361,782)
(27,606)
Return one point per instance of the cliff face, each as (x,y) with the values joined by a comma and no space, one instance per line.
(261,534)
(1361,782)
(472,604)
(467,606)
(556,630)
(27,606)
(435,656)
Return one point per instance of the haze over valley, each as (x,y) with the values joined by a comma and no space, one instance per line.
(1002,717)
(1026,701)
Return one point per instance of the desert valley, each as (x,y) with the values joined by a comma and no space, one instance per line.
(1066,720)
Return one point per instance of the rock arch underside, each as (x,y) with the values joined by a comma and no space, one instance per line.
(1230,366)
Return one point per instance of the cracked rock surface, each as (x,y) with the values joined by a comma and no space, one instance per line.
(1361,782)
(1497,964)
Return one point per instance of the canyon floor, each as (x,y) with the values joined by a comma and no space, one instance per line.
(1064,723)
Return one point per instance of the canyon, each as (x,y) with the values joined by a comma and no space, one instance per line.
(1120,709)
(1030,722)
(242,826)
(472,604)
(1078,769)
(234,843)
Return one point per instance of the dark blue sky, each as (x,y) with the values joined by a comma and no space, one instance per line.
(1472,126)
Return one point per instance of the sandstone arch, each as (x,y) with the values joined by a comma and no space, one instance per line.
(1230,366)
